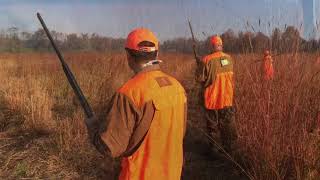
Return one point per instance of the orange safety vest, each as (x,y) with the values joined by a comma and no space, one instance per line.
(160,155)
(218,92)
(268,68)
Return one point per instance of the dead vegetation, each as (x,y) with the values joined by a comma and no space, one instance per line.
(43,135)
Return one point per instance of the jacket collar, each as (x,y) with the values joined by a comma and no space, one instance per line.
(155,67)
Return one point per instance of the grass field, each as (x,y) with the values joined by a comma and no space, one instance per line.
(42,134)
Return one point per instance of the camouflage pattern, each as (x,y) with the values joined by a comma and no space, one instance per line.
(221,128)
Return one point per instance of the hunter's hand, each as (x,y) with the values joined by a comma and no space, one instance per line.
(91,122)
(92,126)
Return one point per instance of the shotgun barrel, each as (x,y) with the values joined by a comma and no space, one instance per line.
(72,80)
(194,42)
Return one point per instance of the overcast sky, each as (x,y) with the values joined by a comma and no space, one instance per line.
(167,18)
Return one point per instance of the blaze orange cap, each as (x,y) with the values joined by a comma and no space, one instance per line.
(139,35)
(216,40)
(266,52)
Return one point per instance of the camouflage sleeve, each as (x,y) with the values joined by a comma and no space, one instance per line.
(123,128)
(201,72)
(210,71)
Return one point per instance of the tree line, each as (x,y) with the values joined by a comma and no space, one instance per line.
(281,41)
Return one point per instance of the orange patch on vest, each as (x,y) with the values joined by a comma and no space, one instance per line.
(163,81)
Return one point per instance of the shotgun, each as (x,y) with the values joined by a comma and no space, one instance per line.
(194,43)
(260,60)
(72,80)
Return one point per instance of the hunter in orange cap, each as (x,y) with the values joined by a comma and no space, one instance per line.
(267,68)
(136,37)
(216,75)
(146,121)
(216,41)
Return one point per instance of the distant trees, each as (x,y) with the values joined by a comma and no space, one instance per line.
(261,42)
(38,41)
(177,45)
(230,40)
(276,40)
(14,43)
(9,40)
(291,39)
(12,40)
(75,42)
(288,40)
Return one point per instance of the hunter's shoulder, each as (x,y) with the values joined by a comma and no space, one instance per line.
(223,54)
(215,56)
(135,83)
(161,79)
(149,81)
(175,82)
(207,58)
(141,82)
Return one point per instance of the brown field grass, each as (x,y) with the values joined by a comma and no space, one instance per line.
(42,132)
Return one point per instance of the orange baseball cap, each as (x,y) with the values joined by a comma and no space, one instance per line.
(139,35)
(216,40)
(266,52)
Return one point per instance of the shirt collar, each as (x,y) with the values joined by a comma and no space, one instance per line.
(145,69)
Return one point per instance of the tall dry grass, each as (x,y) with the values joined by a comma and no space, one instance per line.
(277,121)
